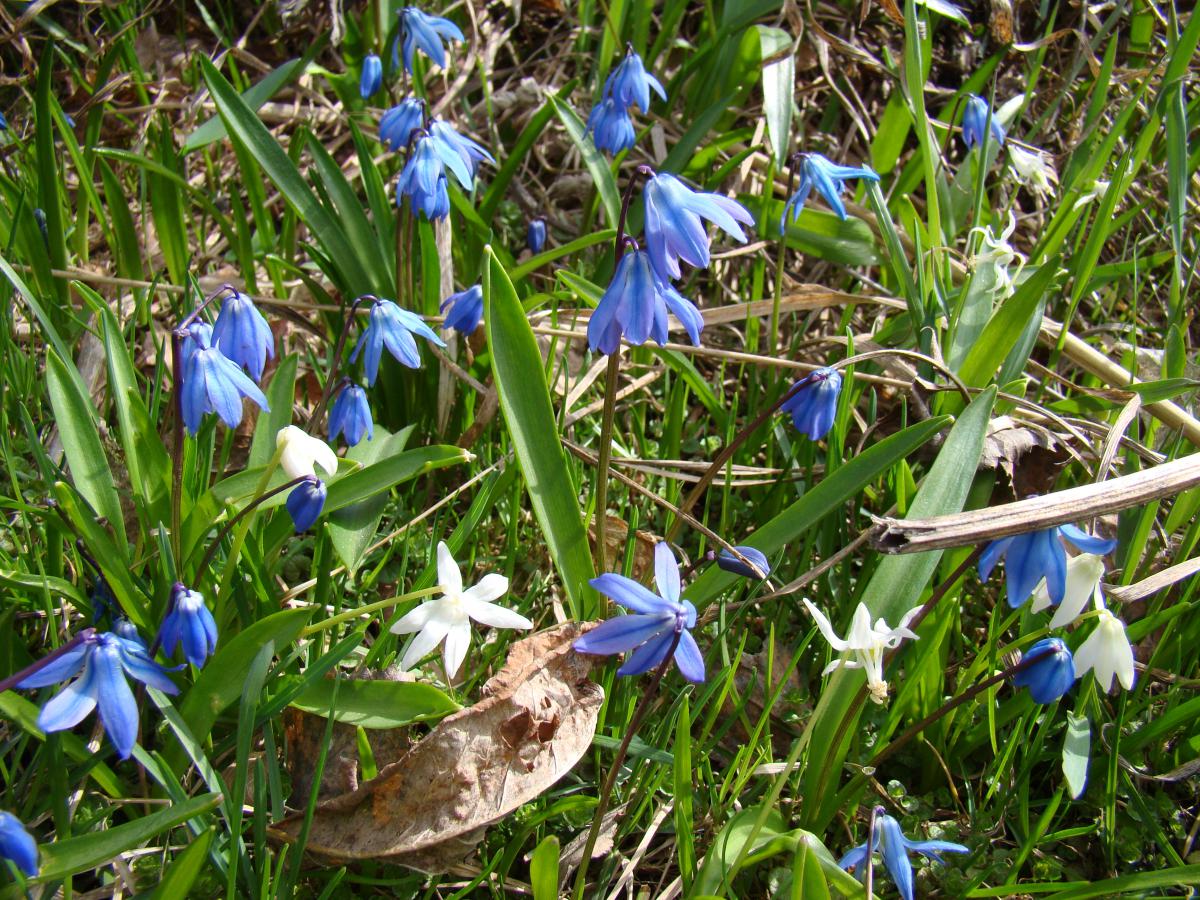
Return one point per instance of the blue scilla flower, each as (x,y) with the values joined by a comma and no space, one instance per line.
(453,147)
(675,227)
(188,622)
(1030,557)
(242,334)
(428,33)
(1049,670)
(391,327)
(730,563)
(535,235)
(351,416)
(888,840)
(829,179)
(17,844)
(212,382)
(813,402)
(636,304)
(611,126)
(630,83)
(305,502)
(102,661)
(3,123)
(423,180)
(464,310)
(978,120)
(372,76)
(397,125)
(123,627)
(651,630)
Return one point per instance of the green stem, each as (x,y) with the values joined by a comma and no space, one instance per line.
(777,294)
(368,609)
(605,456)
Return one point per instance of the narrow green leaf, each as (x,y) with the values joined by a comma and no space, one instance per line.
(181,874)
(376,704)
(281,395)
(1004,329)
(543,869)
(1076,750)
(352,528)
(253,97)
(597,165)
(778,82)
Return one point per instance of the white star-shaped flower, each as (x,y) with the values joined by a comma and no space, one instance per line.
(449,616)
(1083,578)
(867,643)
(300,453)
(1106,653)
(1033,169)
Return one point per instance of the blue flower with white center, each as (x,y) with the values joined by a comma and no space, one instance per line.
(813,402)
(630,83)
(611,126)
(372,76)
(453,147)
(428,33)
(1030,557)
(351,416)
(651,631)
(888,840)
(829,179)
(423,180)
(464,310)
(305,502)
(674,226)
(242,334)
(397,125)
(730,563)
(978,121)
(17,844)
(535,235)
(212,382)
(391,327)
(102,661)
(635,305)
(1050,671)
(188,622)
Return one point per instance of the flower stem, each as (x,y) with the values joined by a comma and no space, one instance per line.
(777,296)
(13,680)
(869,872)
(249,507)
(243,526)
(605,796)
(367,610)
(335,364)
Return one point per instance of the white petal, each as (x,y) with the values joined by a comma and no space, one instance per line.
(414,619)
(837,664)
(1083,575)
(826,628)
(458,641)
(429,637)
(494,615)
(861,634)
(491,587)
(300,452)
(448,575)
(323,455)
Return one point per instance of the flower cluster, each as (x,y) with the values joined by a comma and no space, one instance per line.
(629,84)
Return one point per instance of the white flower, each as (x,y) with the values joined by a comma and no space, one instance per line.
(1106,653)
(867,643)
(1083,578)
(1098,189)
(996,255)
(449,616)
(301,452)
(1033,169)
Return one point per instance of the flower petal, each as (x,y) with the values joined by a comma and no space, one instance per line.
(491,587)
(428,638)
(458,641)
(648,656)
(689,658)
(826,627)
(622,634)
(630,594)
(494,615)
(449,576)
(666,572)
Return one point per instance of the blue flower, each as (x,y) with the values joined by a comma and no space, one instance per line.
(351,416)
(1051,672)
(631,84)
(829,179)
(813,404)
(1030,557)
(397,125)
(305,502)
(423,180)
(978,120)
(653,627)
(428,33)
(731,563)
(535,236)
(212,382)
(674,226)
(123,627)
(17,844)
(392,327)
(610,126)
(3,123)
(889,840)
(242,334)
(684,309)
(635,305)
(454,148)
(189,622)
(372,76)
(465,310)
(104,659)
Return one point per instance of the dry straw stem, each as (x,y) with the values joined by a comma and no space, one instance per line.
(962,529)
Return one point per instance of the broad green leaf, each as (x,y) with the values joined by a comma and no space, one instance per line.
(376,704)
(543,869)
(386,474)
(597,165)
(1004,329)
(529,417)
(352,528)
(37,584)
(1076,750)
(808,881)
(181,874)
(778,82)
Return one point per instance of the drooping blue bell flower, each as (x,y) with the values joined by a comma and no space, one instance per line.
(428,33)
(391,327)
(813,404)
(657,618)
(123,627)
(212,382)
(675,227)
(1030,557)
(102,661)
(630,83)
(189,622)
(3,123)
(611,126)
(397,125)
(305,502)
(730,563)
(453,147)
(636,304)
(1050,674)
(17,844)
(241,333)
(423,179)
(829,179)
(372,76)
(535,235)
(978,121)
(464,310)
(888,840)
(350,416)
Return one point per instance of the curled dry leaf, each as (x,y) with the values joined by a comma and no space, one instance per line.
(429,808)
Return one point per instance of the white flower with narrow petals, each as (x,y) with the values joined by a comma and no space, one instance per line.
(300,453)
(1106,652)
(867,643)
(1083,579)
(1033,169)
(449,616)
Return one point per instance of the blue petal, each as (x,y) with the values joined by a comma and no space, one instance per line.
(141,667)
(118,711)
(895,855)
(60,669)
(71,705)
(853,858)
(648,656)
(991,555)
(1086,542)
(689,658)
(16,843)
(934,849)
(622,634)
(666,572)
(631,594)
